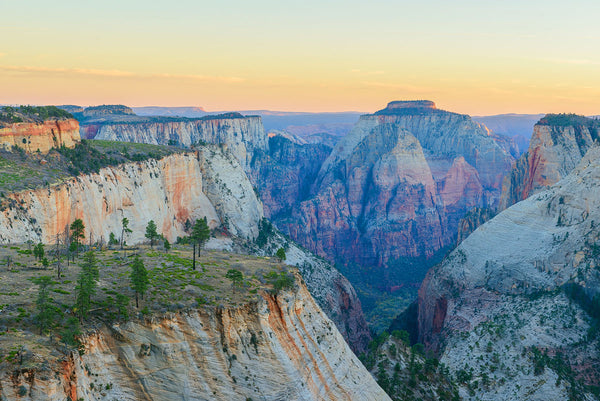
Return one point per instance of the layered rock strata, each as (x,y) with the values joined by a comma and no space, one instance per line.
(397,185)
(556,147)
(174,192)
(42,137)
(243,136)
(507,291)
(281,347)
(169,191)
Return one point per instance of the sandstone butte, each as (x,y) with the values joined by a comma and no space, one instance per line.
(33,137)
(397,186)
(281,347)
(501,292)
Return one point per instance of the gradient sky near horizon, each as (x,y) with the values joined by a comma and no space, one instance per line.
(470,56)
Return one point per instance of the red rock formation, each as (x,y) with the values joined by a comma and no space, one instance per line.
(554,151)
(43,137)
(394,189)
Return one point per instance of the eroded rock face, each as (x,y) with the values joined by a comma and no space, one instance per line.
(397,185)
(502,291)
(244,136)
(170,191)
(554,151)
(334,294)
(284,175)
(40,136)
(282,347)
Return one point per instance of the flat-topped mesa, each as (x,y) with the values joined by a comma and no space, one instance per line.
(409,104)
(103,110)
(401,107)
(244,136)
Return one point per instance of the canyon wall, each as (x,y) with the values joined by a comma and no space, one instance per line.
(44,136)
(396,187)
(282,347)
(508,288)
(556,147)
(170,191)
(243,135)
(284,175)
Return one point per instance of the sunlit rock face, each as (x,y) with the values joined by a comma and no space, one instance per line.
(282,347)
(42,137)
(505,289)
(244,136)
(170,191)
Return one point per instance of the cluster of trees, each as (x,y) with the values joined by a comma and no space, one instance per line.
(11,114)
(47,312)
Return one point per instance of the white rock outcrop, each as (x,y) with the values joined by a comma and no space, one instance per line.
(171,191)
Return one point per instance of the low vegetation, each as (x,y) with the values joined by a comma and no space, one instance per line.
(37,309)
(37,114)
(21,171)
(569,120)
(405,372)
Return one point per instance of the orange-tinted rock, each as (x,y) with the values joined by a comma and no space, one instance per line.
(169,191)
(279,347)
(554,151)
(43,137)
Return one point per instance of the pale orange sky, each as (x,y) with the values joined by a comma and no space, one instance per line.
(475,57)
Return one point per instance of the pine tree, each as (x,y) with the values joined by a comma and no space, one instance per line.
(280,254)
(77,234)
(86,284)
(151,232)
(38,251)
(46,311)
(112,239)
(139,278)
(200,234)
(124,230)
(236,277)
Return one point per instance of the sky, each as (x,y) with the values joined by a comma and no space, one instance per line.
(475,57)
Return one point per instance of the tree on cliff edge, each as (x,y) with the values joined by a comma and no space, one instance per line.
(87,281)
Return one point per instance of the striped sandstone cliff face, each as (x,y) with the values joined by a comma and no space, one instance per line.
(279,347)
(396,187)
(554,151)
(243,136)
(178,188)
(169,191)
(40,136)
